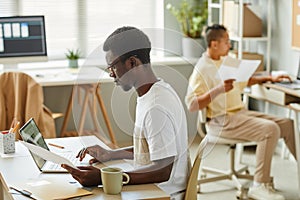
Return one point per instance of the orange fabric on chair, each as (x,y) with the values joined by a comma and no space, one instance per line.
(22,97)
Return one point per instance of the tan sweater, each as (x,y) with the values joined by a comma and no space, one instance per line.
(22,97)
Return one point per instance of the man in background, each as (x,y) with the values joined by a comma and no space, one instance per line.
(227,115)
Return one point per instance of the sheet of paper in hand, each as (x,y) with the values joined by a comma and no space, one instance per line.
(240,70)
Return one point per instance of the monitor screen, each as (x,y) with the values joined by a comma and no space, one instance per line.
(22,36)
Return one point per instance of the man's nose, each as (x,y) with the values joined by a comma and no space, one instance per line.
(112,74)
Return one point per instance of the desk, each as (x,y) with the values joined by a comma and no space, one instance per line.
(280,96)
(57,73)
(275,94)
(23,168)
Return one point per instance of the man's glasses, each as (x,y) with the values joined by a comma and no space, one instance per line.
(112,66)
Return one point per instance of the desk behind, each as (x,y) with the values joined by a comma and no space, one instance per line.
(64,76)
(275,94)
(22,168)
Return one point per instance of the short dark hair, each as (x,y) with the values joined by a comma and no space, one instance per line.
(129,41)
(213,33)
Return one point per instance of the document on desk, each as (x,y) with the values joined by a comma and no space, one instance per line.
(240,70)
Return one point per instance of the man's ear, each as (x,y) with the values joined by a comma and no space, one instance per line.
(132,62)
(214,44)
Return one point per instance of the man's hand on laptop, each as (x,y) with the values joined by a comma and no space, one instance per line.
(86,175)
(281,78)
(98,153)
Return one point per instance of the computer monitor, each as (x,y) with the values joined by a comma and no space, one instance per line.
(22,39)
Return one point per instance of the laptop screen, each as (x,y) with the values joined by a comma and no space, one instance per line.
(30,133)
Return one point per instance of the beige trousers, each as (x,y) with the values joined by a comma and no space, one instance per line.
(263,129)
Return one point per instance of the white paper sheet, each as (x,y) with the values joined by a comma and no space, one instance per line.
(240,70)
(47,155)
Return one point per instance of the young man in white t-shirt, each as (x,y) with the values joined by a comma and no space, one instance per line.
(160,149)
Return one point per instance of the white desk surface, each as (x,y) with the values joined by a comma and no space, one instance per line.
(57,73)
(23,168)
(61,76)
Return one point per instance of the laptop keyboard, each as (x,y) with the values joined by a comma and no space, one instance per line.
(292,85)
(55,167)
(70,156)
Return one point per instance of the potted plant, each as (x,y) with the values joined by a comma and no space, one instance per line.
(192,19)
(73,56)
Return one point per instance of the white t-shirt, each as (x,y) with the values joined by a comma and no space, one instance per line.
(161,132)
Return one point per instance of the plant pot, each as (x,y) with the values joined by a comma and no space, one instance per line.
(192,48)
(73,63)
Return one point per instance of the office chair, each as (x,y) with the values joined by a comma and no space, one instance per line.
(191,189)
(233,173)
(21,97)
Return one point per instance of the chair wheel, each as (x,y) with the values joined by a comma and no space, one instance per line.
(247,171)
(241,194)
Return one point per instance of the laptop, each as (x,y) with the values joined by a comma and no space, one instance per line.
(40,152)
(295,85)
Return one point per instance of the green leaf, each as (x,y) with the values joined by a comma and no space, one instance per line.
(191,16)
(73,54)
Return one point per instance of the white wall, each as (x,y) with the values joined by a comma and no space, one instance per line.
(282,55)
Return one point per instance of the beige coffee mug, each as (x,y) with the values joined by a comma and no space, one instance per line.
(112,179)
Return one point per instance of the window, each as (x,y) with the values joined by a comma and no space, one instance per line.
(84,24)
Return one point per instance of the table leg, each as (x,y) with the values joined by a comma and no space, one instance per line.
(104,113)
(67,114)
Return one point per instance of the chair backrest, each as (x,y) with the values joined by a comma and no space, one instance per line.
(191,189)
(21,97)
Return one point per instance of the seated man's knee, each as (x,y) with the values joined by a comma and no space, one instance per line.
(272,130)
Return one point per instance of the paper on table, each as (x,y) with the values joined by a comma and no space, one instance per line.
(240,70)
(47,155)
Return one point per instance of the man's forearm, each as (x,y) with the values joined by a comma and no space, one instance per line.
(122,153)
(158,171)
(258,80)
(202,101)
